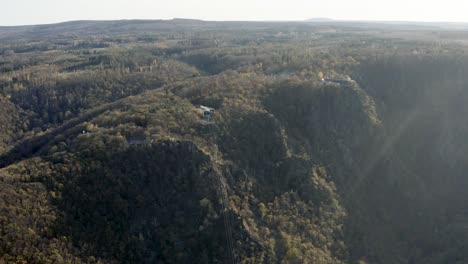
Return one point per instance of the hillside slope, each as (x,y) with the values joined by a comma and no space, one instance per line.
(100,179)
(12,124)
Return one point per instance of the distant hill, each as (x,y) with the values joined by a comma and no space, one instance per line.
(419,24)
(78,29)
(320,19)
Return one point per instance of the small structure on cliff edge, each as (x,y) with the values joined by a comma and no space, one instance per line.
(207,112)
(346,80)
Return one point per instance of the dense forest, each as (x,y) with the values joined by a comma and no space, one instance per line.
(184,141)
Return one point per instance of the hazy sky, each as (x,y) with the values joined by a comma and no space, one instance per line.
(20,12)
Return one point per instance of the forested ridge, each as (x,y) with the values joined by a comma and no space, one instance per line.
(326,143)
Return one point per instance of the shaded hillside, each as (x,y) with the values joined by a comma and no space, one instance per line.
(421,102)
(12,124)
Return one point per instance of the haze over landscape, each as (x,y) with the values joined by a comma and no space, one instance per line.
(255,132)
(28,12)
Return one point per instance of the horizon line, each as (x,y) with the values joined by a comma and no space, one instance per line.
(309,20)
